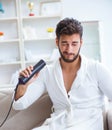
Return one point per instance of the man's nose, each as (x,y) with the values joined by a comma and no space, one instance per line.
(69,47)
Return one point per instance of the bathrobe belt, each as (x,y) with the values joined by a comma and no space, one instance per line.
(67,112)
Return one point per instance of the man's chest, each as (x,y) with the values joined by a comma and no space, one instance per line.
(68,79)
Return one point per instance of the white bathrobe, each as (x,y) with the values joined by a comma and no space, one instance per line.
(80,108)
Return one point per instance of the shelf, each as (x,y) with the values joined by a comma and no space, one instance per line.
(10,9)
(9,41)
(9,19)
(51,0)
(10,63)
(40,39)
(40,17)
(18,51)
(10,29)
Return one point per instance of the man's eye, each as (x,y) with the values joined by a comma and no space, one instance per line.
(64,44)
(74,44)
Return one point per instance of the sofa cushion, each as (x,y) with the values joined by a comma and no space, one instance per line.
(24,119)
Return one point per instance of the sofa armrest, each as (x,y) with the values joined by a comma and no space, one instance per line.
(28,118)
(109,116)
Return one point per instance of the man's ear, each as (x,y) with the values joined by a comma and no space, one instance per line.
(57,41)
(81,41)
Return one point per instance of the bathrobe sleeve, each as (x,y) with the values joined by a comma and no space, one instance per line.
(104,77)
(34,91)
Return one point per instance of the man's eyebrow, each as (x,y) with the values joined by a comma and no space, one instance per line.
(64,42)
(75,42)
(72,41)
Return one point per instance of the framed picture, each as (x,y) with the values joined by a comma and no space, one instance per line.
(50,8)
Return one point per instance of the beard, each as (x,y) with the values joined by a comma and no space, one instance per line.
(69,60)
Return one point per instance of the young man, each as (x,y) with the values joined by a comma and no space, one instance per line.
(75,84)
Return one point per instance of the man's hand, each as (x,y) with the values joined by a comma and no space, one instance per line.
(21,89)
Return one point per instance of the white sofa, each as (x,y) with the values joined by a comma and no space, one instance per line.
(34,115)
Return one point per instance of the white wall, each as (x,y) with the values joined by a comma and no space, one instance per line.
(94,10)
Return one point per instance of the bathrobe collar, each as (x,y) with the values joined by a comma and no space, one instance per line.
(79,78)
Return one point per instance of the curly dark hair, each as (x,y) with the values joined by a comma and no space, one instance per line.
(69,26)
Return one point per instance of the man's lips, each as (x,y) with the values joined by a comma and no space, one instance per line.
(69,54)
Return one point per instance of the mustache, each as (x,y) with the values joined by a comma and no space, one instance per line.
(65,52)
